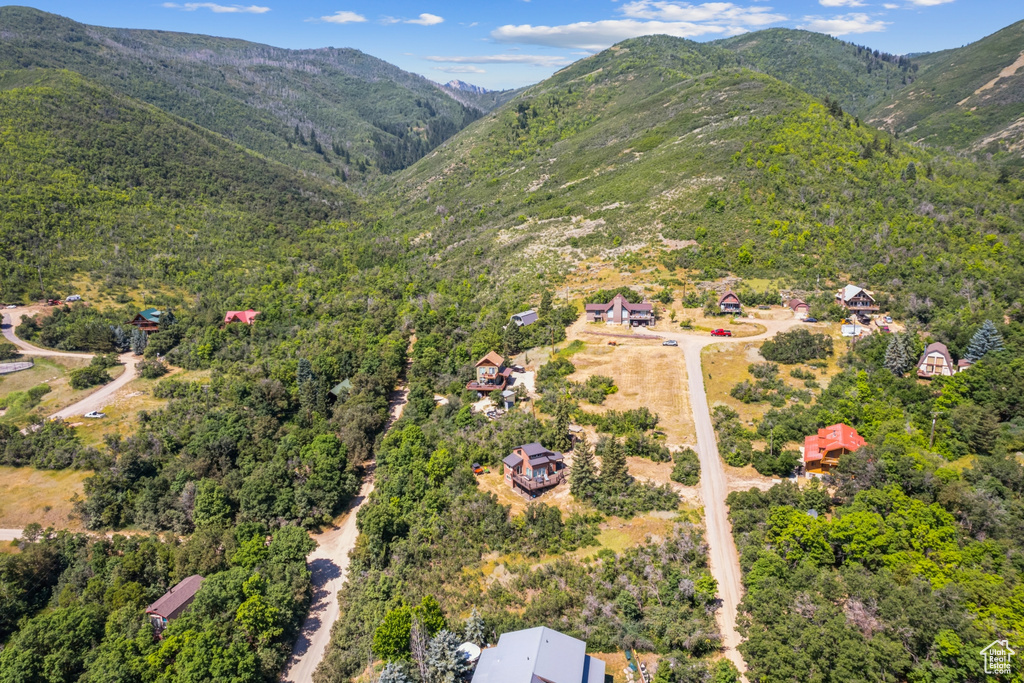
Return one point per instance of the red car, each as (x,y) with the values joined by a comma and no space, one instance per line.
(721,333)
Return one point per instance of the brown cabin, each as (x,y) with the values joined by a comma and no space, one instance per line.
(147,320)
(491,374)
(533,469)
(618,311)
(729,303)
(856,299)
(173,603)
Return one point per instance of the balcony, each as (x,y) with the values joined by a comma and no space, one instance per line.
(538,484)
(497,384)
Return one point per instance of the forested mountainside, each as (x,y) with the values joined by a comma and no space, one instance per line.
(969,98)
(338,112)
(102,184)
(655,138)
(658,151)
(856,76)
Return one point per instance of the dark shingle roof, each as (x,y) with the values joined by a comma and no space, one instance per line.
(512,460)
(526,317)
(175,600)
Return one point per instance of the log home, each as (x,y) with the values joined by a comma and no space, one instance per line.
(533,469)
(618,311)
(856,299)
(147,320)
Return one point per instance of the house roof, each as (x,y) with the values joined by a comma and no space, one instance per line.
(939,348)
(534,449)
(833,438)
(797,303)
(526,317)
(246,317)
(964,363)
(341,386)
(643,306)
(508,393)
(850,291)
(491,358)
(151,314)
(174,600)
(512,460)
(538,654)
(596,307)
(730,294)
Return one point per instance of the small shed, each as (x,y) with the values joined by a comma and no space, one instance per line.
(801,309)
(525,318)
(341,387)
(508,399)
(852,330)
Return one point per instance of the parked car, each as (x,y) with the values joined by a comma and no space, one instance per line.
(12,305)
(810,320)
(74,297)
(670,342)
(95,414)
(721,333)
(884,328)
(888,318)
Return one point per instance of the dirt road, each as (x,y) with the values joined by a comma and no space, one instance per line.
(29,349)
(100,398)
(329,564)
(10,534)
(724,559)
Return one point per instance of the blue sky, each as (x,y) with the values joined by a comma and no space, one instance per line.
(510,43)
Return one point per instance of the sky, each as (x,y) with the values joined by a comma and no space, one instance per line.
(501,44)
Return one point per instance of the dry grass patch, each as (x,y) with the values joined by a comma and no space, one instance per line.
(647,374)
(55,373)
(29,495)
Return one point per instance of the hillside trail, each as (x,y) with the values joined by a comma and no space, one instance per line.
(328,564)
(722,554)
(95,401)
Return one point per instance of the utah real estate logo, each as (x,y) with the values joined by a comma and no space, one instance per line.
(997,657)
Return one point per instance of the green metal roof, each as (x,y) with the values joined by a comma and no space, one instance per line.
(341,386)
(151,314)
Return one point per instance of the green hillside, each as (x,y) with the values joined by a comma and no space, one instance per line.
(661,137)
(328,110)
(823,66)
(100,183)
(967,98)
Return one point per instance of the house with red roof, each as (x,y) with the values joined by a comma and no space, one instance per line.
(247,317)
(801,309)
(491,375)
(619,311)
(822,450)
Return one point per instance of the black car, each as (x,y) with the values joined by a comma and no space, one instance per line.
(810,320)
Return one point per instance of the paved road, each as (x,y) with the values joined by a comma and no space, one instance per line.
(724,559)
(10,534)
(329,565)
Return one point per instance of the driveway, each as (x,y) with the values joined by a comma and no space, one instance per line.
(99,399)
(724,559)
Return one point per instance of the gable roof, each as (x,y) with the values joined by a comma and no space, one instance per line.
(341,386)
(727,295)
(175,600)
(538,654)
(526,317)
(599,308)
(491,358)
(512,460)
(832,438)
(246,317)
(939,348)
(850,291)
(534,449)
(151,314)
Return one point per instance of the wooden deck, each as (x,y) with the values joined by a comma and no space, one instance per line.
(532,485)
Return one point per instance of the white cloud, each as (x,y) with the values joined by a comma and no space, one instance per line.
(597,35)
(539,60)
(425,20)
(219,9)
(460,69)
(709,11)
(341,17)
(889,5)
(844,24)
(841,3)
(930,3)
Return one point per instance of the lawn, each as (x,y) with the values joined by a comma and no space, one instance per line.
(29,495)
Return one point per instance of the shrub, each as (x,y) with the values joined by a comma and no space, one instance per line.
(797,346)
(152,369)
(556,369)
(8,350)
(89,377)
(687,468)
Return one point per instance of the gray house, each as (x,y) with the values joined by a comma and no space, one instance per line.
(538,654)
(525,318)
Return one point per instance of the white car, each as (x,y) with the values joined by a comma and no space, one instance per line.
(12,305)
(95,414)
(74,297)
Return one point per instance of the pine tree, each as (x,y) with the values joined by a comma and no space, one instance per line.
(445,663)
(393,673)
(986,339)
(474,629)
(560,440)
(911,349)
(311,398)
(512,340)
(583,475)
(910,174)
(545,303)
(895,356)
(614,475)
(138,342)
